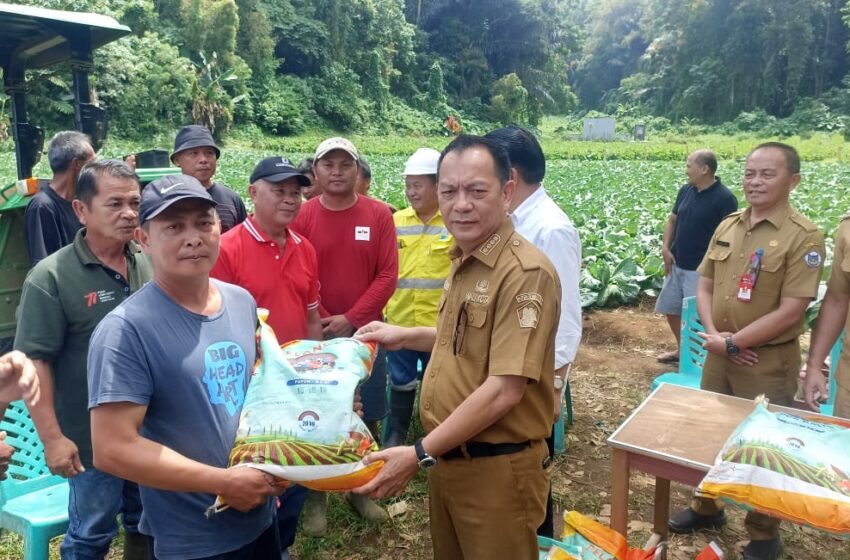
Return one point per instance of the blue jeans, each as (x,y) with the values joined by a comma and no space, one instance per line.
(95,500)
(403,366)
(373,393)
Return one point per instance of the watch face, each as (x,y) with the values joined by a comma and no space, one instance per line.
(559,383)
(427,462)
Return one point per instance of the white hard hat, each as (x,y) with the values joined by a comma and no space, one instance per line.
(423,162)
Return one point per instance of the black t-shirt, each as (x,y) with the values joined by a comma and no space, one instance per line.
(697,216)
(231,209)
(50,224)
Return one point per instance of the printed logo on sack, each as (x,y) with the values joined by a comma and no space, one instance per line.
(308,420)
(225,370)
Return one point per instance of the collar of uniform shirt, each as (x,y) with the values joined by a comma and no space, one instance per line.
(776,217)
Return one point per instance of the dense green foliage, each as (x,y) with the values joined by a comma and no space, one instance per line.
(772,67)
(751,61)
(286,66)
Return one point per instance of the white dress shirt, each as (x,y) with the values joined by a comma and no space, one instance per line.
(542,222)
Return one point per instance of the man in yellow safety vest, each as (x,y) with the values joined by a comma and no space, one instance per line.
(423,264)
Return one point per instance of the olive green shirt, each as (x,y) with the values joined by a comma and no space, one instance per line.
(64,298)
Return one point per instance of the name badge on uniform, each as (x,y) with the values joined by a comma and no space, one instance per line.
(361,233)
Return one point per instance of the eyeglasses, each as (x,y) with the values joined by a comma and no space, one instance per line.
(460,329)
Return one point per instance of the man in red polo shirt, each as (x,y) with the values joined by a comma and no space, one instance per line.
(356,245)
(278,268)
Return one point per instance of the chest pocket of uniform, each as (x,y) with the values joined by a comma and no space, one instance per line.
(720,259)
(771,274)
(471,340)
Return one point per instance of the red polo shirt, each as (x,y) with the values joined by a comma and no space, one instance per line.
(284,282)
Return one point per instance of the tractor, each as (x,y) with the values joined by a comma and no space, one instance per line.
(34,38)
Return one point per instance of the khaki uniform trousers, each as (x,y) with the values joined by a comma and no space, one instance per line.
(489,507)
(775,376)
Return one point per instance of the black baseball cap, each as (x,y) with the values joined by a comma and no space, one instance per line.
(158,195)
(276,169)
(194,136)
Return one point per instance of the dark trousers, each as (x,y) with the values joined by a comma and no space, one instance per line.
(291,503)
(547,528)
(265,547)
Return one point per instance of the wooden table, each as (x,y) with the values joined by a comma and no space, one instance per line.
(675,434)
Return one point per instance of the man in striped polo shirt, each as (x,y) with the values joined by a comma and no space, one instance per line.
(423,264)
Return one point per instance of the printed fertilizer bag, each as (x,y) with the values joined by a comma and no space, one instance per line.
(298,422)
(586,539)
(786,466)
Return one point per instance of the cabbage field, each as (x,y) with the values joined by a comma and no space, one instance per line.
(618,205)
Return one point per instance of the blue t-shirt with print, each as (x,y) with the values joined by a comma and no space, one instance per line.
(192,373)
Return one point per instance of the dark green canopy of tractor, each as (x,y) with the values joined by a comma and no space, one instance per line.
(37,37)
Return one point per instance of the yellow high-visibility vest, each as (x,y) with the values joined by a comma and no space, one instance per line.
(423,265)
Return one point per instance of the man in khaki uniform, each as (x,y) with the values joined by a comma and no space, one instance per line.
(753,340)
(486,401)
(831,319)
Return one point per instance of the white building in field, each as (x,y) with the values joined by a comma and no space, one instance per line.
(598,129)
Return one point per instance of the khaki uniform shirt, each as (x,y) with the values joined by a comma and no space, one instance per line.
(790,267)
(498,316)
(839,281)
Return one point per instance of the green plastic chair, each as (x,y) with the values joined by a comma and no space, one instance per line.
(33,502)
(691,352)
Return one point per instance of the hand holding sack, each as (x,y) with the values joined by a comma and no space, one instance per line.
(298,422)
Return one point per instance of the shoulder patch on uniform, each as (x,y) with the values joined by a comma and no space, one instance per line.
(803,222)
(813,259)
(529,296)
(528,315)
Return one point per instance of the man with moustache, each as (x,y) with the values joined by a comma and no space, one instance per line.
(64,298)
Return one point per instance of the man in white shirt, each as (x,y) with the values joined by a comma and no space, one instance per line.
(538,219)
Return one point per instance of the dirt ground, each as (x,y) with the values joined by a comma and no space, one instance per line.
(611,376)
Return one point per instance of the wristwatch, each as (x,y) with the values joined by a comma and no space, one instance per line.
(425,460)
(731,349)
(559,383)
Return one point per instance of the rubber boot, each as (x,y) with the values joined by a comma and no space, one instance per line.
(401,409)
(366,508)
(135,546)
(314,517)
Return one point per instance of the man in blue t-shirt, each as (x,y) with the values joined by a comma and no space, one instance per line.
(168,372)
(699,208)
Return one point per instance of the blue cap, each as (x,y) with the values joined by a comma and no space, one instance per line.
(158,195)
